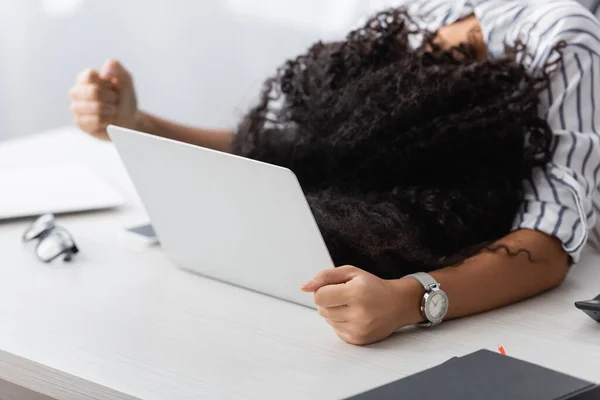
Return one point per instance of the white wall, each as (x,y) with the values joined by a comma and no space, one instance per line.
(196,61)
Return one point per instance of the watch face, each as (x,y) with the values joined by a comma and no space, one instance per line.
(437,306)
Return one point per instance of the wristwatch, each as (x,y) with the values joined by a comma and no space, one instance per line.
(434,305)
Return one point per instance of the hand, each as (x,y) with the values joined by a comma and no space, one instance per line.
(99,99)
(363,308)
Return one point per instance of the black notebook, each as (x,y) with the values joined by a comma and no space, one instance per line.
(485,375)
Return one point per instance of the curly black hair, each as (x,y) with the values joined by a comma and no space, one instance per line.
(411,158)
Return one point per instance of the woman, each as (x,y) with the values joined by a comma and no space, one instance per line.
(457,138)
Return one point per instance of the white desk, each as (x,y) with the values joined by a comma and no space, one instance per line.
(123,323)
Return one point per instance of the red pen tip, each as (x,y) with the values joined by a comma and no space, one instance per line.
(501,350)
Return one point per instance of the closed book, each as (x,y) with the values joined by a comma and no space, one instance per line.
(485,375)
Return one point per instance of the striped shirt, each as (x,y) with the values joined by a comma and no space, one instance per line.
(563,199)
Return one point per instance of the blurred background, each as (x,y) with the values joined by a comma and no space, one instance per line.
(195,61)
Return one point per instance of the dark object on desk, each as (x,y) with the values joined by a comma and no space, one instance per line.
(144,233)
(145,230)
(590,307)
(592,394)
(485,375)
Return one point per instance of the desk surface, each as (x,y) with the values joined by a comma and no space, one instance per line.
(121,322)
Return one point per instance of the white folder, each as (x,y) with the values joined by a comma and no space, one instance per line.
(58,189)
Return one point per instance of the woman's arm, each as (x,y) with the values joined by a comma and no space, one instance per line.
(363,308)
(99,99)
(491,280)
(210,138)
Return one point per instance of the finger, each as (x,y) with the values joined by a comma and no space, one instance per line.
(102,134)
(347,332)
(92,91)
(332,296)
(114,70)
(332,276)
(87,76)
(338,326)
(92,76)
(351,338)
(94,108)
(335,314)
(92,123)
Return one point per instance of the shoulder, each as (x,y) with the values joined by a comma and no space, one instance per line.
(564,20)
(546,24)
(538,24)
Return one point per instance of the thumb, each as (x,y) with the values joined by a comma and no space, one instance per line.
(112,69)
(334,276)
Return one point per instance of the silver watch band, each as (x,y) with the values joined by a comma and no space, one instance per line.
(426,280)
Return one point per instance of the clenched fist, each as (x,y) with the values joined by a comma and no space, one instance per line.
(362,308)
(99,99)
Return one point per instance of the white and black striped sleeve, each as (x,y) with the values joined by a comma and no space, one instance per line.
(559,200)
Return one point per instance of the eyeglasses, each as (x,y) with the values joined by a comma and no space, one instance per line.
(53,241)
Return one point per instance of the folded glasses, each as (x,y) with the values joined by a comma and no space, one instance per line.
(53,241)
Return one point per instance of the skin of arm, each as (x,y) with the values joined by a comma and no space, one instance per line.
(210,138)
(364,309)
(494,279)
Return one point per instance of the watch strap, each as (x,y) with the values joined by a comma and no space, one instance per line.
(425,279)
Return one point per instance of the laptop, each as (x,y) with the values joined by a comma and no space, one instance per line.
(226,217)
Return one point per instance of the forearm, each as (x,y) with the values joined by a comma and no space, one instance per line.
(491,280)
(210,138)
